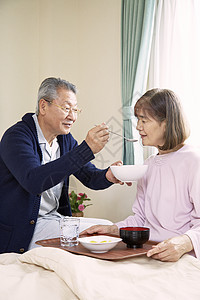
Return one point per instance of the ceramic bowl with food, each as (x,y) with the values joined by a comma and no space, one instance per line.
(134,237)
(129,173)
(99,243)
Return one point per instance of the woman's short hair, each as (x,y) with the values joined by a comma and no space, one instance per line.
(49,88)
(164,105)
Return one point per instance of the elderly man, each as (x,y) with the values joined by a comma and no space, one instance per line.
(37,156)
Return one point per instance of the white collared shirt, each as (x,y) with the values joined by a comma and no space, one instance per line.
(49,198)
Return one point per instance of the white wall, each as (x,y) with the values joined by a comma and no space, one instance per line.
(78,40)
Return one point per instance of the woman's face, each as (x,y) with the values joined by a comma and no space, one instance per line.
(150,130)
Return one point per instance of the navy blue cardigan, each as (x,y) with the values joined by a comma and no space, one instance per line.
(23,179)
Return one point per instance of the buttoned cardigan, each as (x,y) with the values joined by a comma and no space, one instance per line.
(23,179)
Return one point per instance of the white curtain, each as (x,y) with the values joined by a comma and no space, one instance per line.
(175,56)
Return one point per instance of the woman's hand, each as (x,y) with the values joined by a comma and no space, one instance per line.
(171,249)
(110,177)
(102,229)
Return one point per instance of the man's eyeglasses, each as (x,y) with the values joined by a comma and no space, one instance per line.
(67,110)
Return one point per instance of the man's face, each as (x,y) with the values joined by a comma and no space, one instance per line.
(56,118)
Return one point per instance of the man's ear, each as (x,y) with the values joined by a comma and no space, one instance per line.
(42,106)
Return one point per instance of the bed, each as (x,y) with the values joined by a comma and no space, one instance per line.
(52,273)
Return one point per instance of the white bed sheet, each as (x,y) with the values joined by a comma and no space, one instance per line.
(51,273)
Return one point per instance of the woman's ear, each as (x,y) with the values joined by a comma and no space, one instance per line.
(164,125)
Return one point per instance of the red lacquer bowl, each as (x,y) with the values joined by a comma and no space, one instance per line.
(134,237)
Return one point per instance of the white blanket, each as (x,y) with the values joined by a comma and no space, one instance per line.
(51,273)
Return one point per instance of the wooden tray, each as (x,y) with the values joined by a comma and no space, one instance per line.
(119,252)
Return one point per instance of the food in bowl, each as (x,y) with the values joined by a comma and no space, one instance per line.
(134,237)
(128,173)
(99,243)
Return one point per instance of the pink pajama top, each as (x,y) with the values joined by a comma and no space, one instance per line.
(168,197)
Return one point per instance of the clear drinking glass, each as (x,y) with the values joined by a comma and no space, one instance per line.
(69,231)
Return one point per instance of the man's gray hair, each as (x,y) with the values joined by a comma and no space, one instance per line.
(49,88)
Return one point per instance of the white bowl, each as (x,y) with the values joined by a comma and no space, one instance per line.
(99,243)
(128,173)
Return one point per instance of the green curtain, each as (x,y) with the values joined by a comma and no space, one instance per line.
(137,22)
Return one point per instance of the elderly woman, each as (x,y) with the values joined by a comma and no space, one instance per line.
(37,156)
(168,196)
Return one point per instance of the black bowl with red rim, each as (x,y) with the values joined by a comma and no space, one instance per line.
(134,237)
